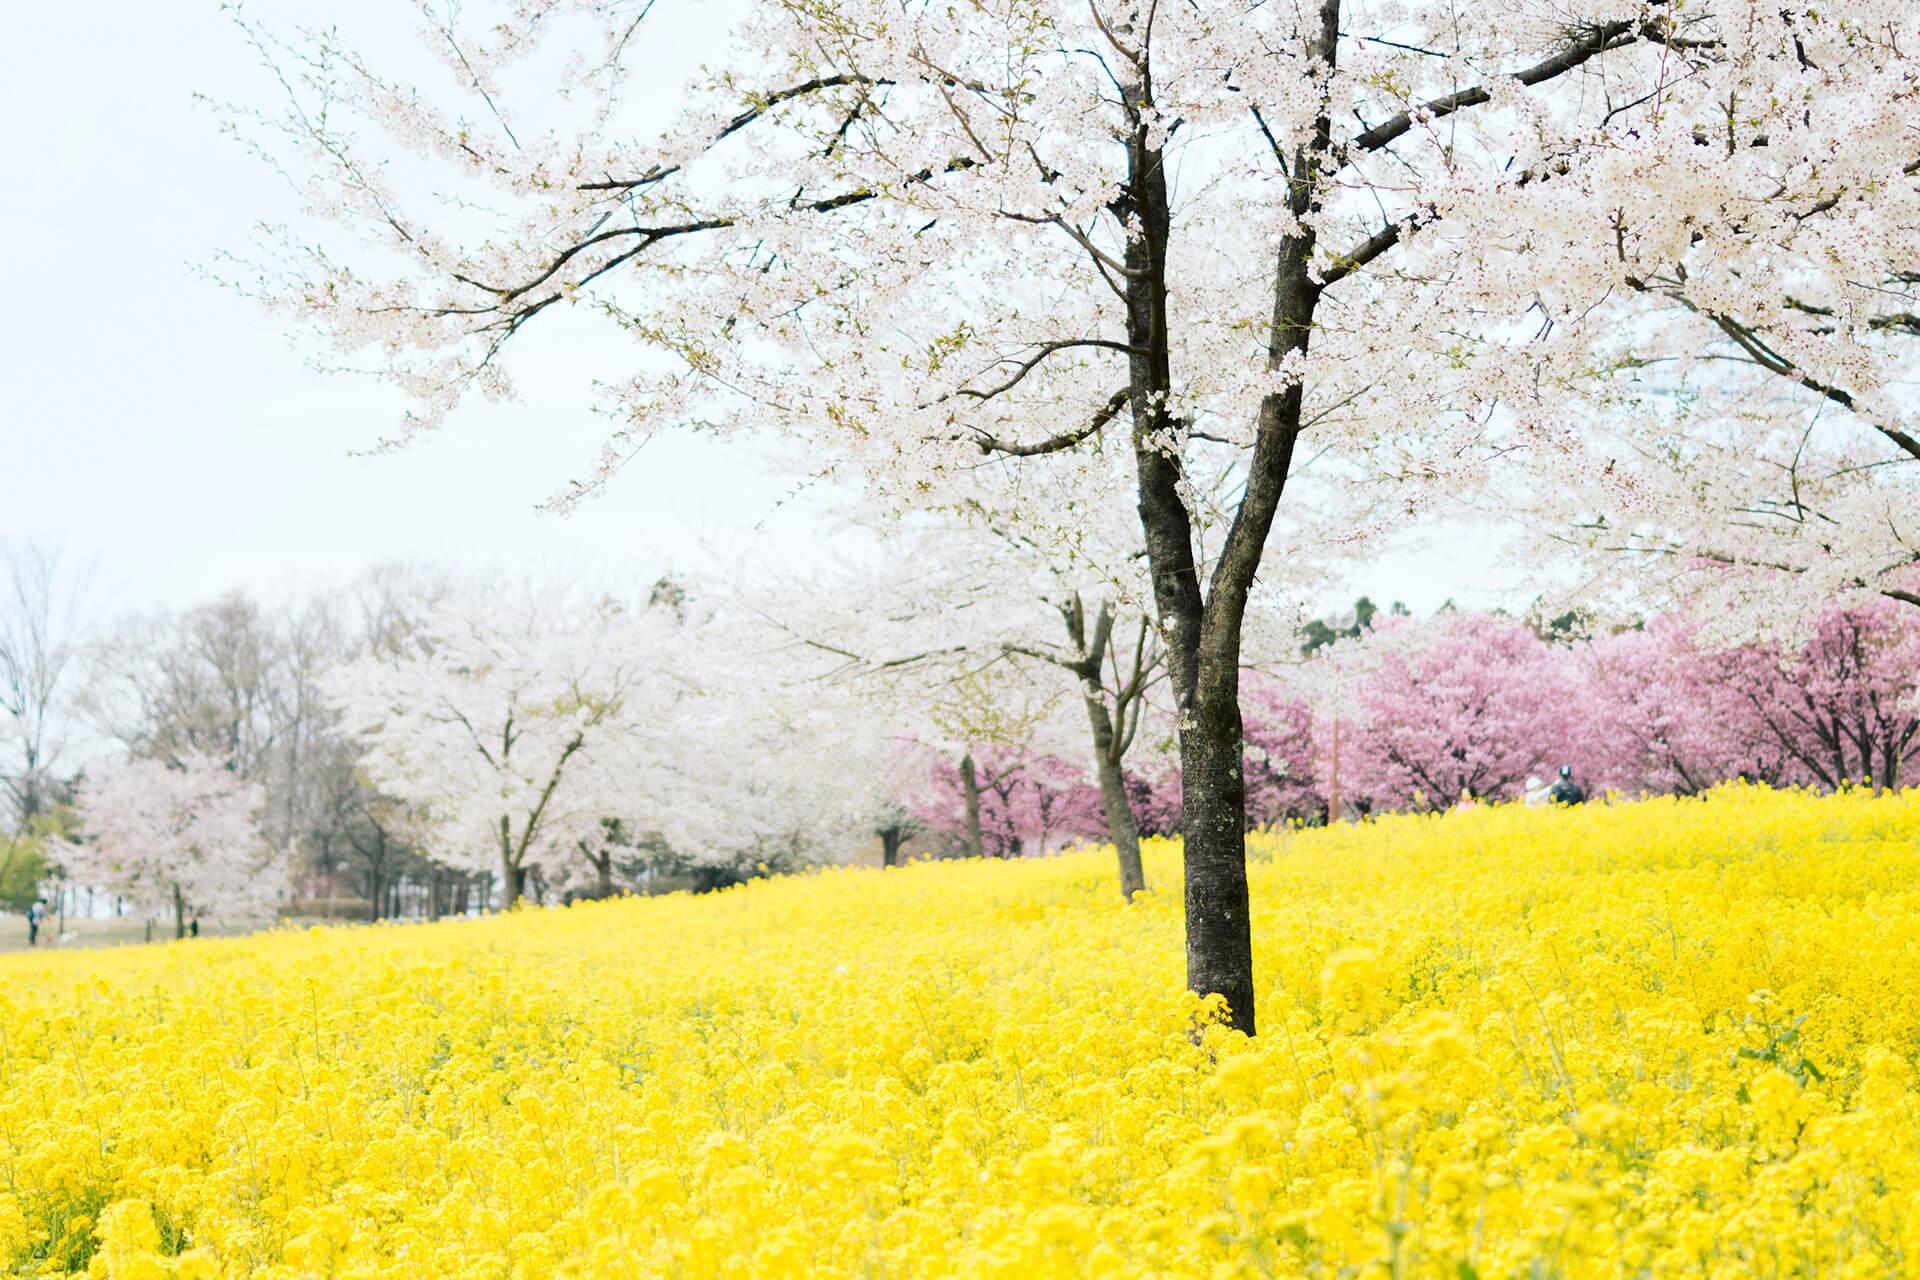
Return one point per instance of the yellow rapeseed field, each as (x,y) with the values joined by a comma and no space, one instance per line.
(1674,1038)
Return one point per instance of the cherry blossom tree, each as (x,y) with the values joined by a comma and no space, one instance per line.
(1282,758)
(1480,702)
(499,727)
(1844,708)
(177,836)
(971,595)
(1127,236)
(1025,803)
(1664,713)
(539,737)
(1476,705)
(1752,508)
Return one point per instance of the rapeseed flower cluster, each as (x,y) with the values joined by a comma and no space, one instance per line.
(1671,1038)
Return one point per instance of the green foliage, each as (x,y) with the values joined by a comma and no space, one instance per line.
(1771,1040)
(1320,633)
(1568,628)
(29,856)
(22,869)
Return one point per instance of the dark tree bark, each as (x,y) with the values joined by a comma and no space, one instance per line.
(970,784)
(599,853)
(891,838)
(1120,823)
(1213,800)
(511,884)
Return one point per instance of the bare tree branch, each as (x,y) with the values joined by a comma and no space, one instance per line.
(1590,43)
(1046,349)
(1054,444)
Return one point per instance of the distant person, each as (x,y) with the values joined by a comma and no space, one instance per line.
(1466,800)
(33,925)
(193,930)
(1536,793)
(1566,790)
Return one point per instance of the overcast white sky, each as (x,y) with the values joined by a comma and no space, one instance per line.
(163,430)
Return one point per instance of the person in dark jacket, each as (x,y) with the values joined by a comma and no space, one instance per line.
(1566,790)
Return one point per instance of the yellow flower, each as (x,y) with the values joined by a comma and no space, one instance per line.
(1531,1044)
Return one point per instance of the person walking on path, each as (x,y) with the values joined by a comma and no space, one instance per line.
(33,925)
(1566,790)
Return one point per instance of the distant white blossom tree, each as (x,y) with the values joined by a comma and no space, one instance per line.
(497,725)
(178,837)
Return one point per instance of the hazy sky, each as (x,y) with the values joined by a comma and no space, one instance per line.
(163,430)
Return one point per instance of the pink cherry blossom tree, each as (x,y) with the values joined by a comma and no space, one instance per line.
(1477,704)
(1282,759)
(1664,713)
(1480,702)
(1844,708)
(1026,804)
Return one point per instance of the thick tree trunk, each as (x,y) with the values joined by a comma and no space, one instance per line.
(604,867)
(970,784)
(1213,804)
(891,839)
(179,914)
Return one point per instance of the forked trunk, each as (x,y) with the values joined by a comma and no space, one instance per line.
(1202,639)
